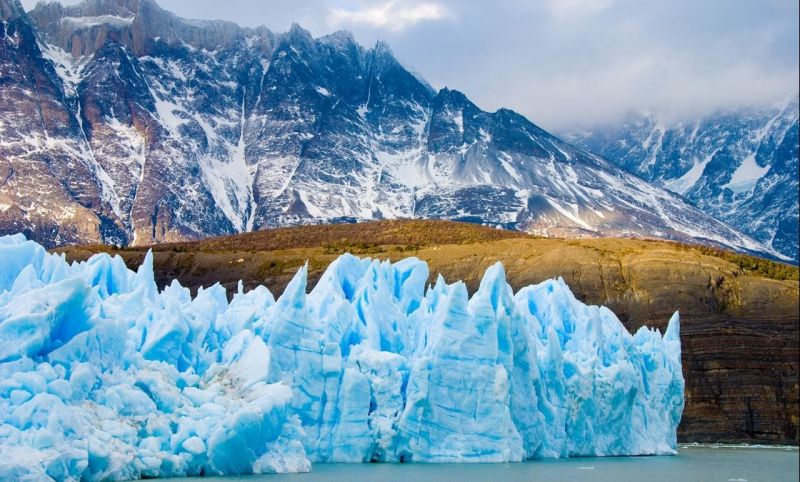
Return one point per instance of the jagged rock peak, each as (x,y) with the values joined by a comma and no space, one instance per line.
(384,57)
(297,36)
(88,8)
(447,96)
(382,47)
(82,28)
(296,31)
(342,38)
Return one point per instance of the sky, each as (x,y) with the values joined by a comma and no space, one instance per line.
(563,63)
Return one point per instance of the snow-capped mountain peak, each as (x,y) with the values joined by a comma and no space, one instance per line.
(140,126)
(740,166)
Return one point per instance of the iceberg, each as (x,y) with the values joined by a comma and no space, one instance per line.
(105,377)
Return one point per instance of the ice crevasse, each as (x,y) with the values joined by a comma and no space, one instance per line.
(104,377)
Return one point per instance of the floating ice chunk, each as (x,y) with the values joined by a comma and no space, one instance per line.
(104,377)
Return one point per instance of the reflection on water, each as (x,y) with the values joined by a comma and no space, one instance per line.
(693,463)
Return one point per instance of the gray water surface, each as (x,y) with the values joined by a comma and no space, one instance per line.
(701,464)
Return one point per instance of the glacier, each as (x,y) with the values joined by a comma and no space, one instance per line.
(105,377)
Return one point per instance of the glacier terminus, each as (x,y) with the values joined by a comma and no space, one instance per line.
(105,377)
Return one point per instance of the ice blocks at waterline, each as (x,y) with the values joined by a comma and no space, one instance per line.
(104,377)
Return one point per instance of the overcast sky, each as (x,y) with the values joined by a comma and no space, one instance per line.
(563,62)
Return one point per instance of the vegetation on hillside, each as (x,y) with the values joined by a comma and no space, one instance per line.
(398,238)
(361,236)
(750,264)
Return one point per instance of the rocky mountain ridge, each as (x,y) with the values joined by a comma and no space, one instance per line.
(739,166)
(126,124)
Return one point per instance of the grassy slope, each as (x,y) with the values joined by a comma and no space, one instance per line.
(269,256)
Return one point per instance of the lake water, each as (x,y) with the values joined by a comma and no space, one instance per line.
(701,464)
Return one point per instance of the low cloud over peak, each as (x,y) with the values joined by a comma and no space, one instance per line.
(393,15)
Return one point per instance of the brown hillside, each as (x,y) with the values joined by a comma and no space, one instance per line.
(740,321)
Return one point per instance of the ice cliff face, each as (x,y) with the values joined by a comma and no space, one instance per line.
(739,166)
(103,377)
(124,123)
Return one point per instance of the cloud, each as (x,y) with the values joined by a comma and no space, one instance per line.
(674,88)
(394,15)
(569,8)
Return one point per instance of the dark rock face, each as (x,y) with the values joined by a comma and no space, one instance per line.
(740,167)
(49,183)
(742,383)
(146,127)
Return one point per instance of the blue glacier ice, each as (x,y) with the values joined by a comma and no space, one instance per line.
(104,377)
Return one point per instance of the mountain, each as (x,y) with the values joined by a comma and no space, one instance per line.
(739,166)
(126,124)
